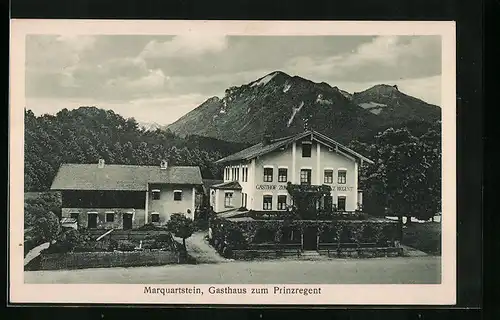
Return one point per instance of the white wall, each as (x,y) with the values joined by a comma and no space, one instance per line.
(218,200)
(166,205)
(326,159)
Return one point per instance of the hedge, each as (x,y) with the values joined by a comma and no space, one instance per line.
(82,260)
(240,234)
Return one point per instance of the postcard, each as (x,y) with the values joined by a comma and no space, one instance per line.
(232,162)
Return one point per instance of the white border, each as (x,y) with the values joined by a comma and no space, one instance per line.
(443,293)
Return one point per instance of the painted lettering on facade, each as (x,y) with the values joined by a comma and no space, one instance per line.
(270,187)
(342,188)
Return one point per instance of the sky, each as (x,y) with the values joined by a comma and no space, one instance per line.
(157,79)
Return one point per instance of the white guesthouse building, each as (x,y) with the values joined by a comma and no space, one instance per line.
(256,177)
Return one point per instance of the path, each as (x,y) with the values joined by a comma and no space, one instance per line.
(200,250)
(35,252)
(400,270)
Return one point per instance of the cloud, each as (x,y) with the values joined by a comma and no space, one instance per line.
(184,46)
(385,57)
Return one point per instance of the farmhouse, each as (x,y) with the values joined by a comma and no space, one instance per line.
(105,196)
(256,178)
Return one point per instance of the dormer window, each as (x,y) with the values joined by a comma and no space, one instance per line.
(163,164)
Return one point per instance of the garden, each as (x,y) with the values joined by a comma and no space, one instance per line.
(151,245)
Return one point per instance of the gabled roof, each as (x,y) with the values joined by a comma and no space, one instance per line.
(121,177)
(260,148)
(229,185)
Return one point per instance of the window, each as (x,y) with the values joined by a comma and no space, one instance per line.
(74,215)
(282,175)
(306,150)
(155,217)
(268,174)
(305,176)
(177,195)
(282,202)
(341,203)
(156,194)
(267,203)
(110,216)
(342,176)
(328,176)
(228,199)
(244,174)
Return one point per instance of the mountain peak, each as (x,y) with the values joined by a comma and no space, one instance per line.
(384,88)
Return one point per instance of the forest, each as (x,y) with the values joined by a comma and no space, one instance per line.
(87,134)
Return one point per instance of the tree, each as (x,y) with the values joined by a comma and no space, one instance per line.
(44,224)
(182,227)
(406,177)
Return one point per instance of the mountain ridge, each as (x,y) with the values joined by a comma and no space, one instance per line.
(278,104)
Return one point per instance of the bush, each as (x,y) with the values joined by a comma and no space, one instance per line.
(68,240)
(150,227)
(181,226)
(126,245)
(158,241)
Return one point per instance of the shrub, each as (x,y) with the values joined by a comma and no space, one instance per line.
(95,246)
(126,245)
(150,227)
(181,226)
(158,241)
(70,239)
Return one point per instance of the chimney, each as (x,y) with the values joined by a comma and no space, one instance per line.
(266,139)
(163,164)
(101,163)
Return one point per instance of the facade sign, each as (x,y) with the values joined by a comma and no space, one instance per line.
(342,188)
(283,187)
(270,187)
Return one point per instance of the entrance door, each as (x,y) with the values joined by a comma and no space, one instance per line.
(127,221)
(310,239)
(92,221)
(341,203)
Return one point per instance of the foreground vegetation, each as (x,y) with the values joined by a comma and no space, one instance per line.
(425,237)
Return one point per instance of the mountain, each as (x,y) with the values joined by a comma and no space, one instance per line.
(151,126)
(393,106)
(279,104)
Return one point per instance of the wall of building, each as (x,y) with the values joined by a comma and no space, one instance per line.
(277,159)
(335,161)
(218,200)
(321,158)
(166,205)
(83,213)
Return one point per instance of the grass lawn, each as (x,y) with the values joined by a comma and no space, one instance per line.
(425,237)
